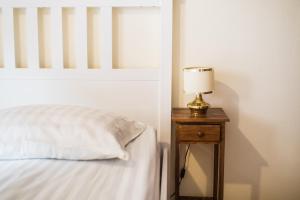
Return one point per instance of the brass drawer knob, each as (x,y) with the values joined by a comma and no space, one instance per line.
(200,134)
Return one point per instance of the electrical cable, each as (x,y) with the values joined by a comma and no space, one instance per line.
(182,171)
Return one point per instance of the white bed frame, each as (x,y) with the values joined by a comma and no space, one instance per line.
(143,94)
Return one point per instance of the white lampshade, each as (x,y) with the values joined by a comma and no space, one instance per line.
(198,80)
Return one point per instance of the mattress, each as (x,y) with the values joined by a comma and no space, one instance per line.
(43,179)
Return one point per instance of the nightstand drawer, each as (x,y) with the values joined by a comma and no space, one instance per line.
(198,133)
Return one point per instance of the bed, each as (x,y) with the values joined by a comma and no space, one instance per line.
(142,94)
(115,179)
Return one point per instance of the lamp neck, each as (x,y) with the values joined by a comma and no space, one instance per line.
(199,96)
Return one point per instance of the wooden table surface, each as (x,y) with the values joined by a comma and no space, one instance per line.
(182,115)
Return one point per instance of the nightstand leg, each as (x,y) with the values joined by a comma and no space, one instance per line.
(221,161)
(176,170)
(216,171)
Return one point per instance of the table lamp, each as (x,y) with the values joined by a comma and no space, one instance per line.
(198,80)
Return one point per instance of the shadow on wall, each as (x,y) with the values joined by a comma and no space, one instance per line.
(177,27)
(201,153)
(243,163)
(198,183)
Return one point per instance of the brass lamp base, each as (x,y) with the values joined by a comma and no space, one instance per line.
(198,106)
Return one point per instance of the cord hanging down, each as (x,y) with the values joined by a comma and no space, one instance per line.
(182,171)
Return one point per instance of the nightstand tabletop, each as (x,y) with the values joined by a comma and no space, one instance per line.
(183,115)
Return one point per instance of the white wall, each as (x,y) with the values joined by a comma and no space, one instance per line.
(254,46)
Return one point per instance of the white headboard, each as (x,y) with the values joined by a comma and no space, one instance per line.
(143,94)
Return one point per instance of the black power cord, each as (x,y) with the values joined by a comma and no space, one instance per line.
(182,171)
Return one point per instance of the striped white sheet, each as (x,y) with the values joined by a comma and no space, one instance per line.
(45,179)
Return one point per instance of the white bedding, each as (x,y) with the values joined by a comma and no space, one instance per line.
(43,179)
(64,132)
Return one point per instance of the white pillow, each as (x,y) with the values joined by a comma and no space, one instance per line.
(64,132)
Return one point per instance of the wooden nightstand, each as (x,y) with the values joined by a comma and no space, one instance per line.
(209,128)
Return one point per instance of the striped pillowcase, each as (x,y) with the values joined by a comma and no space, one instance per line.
(65,132)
